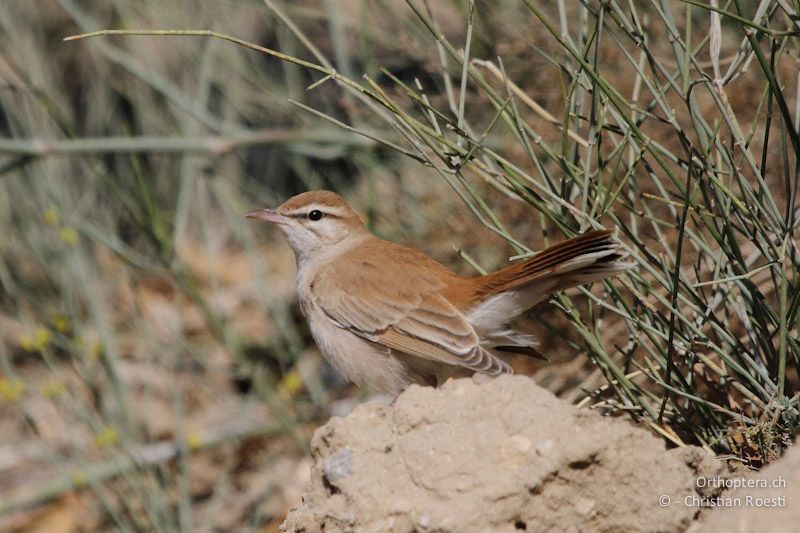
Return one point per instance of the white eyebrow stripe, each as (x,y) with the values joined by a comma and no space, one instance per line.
(326,209)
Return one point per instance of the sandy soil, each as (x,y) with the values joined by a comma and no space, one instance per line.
(508,456)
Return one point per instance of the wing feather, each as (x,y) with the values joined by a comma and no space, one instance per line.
(372,297)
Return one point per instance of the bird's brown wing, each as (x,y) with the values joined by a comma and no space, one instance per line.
(391,296)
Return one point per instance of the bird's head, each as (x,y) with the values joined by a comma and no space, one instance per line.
(314,222)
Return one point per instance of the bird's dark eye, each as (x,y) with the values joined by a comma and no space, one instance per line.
(316,214)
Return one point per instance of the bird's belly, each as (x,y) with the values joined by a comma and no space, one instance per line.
(357,359)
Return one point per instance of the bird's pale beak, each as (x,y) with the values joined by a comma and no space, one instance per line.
(268,215)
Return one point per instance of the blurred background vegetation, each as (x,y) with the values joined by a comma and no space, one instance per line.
(155,372)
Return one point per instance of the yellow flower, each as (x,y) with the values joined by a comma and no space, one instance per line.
(97,351)
(37,341)
(42,338)
(52,389)
(26,342)
(61,323)
(51,217)
(79,481)
(69,236)
(291,383)
(194,441)
(107,437)
(11,389)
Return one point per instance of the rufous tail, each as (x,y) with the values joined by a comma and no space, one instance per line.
(589,257)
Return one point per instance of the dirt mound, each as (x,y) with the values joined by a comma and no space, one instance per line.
(501,456)
(765,501)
